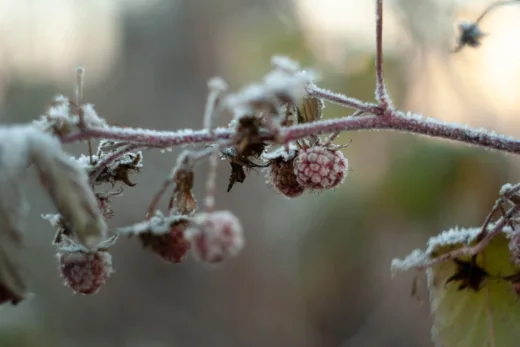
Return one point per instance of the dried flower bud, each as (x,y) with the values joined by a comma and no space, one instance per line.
(85,272)
(182,200)
(320,167)
(470,35)
(215,236)
(171,246)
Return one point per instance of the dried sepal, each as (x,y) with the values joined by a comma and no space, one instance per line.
(240,165)
(120,169)
(311,109)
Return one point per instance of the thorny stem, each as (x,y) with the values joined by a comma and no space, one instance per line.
(479,247)
(381,92)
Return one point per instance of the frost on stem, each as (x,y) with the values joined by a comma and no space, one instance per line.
(62,117)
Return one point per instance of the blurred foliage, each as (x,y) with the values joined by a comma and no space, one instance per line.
(22,336)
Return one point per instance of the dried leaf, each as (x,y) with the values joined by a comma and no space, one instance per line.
(67,184)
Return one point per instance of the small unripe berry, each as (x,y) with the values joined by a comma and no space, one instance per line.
(320,167)
(85,272)
(216,236)
(283,179)
(171,247)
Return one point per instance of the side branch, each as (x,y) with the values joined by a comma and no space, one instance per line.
(381,93)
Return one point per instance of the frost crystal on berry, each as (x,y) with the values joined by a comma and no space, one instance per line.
(216,236)
(320,167)
(85,272)
(172,246)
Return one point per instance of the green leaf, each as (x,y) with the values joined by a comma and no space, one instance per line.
(478,315)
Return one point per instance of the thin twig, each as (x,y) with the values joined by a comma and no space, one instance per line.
(381,92)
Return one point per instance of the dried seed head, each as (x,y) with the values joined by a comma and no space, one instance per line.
(85,272)
(320,167)
(283,179)
(172,246)
(216,236)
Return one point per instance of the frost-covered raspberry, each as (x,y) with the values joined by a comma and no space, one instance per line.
(216,236)
(85,272)
(171,247)
(320,168)
(283,179)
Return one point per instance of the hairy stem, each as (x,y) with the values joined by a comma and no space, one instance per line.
(398,121)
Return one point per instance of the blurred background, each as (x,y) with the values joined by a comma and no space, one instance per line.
(316,270)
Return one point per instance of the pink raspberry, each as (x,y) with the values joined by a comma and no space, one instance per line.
(85,272)
(171,247)
(320,168)
(216,236)
(283,179)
